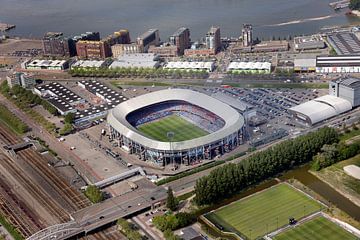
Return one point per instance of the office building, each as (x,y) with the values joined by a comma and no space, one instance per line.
(88,36)
(150,37)
(181,39)
(213,40)
(21,79)
(39,64)
(55,44)
(247,35)
(119,37)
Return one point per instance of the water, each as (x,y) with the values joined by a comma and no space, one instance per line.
(269,17)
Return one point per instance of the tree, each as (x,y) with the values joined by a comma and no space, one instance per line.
(67,129)
(171,201)
(69,118)
(354,4)
(94,194)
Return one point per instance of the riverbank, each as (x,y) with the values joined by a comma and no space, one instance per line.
(336,177)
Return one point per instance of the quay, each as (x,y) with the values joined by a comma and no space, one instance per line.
(5,27)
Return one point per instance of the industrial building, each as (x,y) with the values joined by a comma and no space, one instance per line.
(346,88)
(247,35)
(338,64)
(309,43)
(320,109)
(38,64)
(194,66)
(181,39)
(271,46)
(213,39)
(150,37)
(139,60)
(111,97)
(102,91)
(121,49)
(249,67)
(344,43)
(62,98)
(20,79)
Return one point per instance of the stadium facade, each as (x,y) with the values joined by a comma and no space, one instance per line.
(223,123)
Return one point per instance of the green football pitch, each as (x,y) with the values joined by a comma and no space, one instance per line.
(262,213)
(318,228)
(182,129)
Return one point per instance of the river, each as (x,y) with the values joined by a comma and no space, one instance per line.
(269,17)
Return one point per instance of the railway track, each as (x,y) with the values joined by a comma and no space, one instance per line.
(38,163)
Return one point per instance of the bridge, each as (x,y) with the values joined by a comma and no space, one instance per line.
(117,178)
(98,215)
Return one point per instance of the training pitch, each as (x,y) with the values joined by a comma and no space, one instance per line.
(264,212)
(182,129)
(318,228)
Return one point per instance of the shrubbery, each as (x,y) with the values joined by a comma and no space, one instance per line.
(334,153)
(94,194)
(173,222)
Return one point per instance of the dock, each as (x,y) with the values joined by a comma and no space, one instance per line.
(5,27)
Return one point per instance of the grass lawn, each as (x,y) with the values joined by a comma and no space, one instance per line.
(318,228)
(264,212)
(183,130)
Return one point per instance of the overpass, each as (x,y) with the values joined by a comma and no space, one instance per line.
(98,215)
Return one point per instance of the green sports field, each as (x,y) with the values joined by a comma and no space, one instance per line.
(264,212)
(318,228)
(183,130)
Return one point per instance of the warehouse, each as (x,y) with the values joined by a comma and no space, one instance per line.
(305,64)
(46,65)
(249,67)
(136,60)
(320,109)
(195,66)
(338,64)
(345,43)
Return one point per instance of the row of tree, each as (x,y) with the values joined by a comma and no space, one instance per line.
(137,72)
(12,121)
(232,178)
(22,101)
(27,96)
(334,153)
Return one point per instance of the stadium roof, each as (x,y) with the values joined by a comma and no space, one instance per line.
(322,108)
(117,118)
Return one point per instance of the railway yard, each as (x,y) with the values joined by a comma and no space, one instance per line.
(33,196)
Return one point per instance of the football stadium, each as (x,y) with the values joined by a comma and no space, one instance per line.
(176,125)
